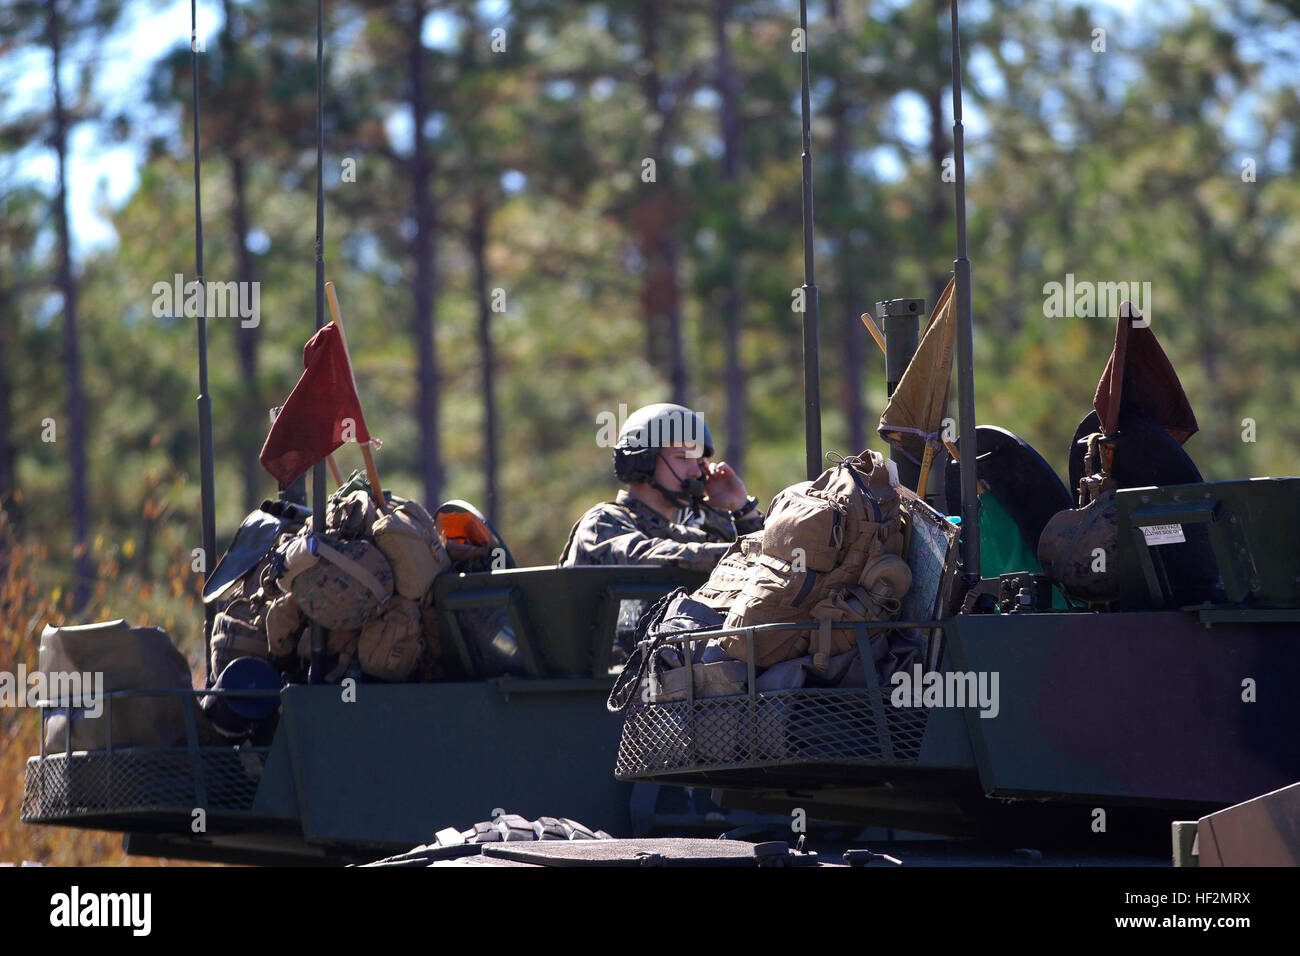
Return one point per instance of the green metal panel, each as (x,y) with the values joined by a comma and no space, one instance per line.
(405,760)
(1145,708)
(1253,526)
(275,793)
(561,616)
(1184,837)
(947,743)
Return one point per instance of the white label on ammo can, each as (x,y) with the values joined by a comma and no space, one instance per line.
(1163,534)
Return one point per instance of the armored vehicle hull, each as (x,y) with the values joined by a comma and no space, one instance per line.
(1139,714)
(1022,726)
(351,777)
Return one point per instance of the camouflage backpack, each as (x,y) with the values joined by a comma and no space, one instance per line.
(341,585)
(823,542)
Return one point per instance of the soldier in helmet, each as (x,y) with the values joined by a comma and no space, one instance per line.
(679,507)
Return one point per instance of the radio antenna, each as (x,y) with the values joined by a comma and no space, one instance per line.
(207,504)
(970,505)
(316,669)
(812,400)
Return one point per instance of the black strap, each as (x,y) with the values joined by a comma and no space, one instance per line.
(638,664)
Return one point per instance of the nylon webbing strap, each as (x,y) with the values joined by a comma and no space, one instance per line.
(359,572)
(822,655)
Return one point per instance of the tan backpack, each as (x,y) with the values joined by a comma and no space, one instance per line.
(238,631)
(284,622)
(390,646)
(350,515)
(119,657)
(408,537)
(340,645)
(818,539)
(731,573)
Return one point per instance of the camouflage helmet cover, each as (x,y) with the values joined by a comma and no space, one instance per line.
(663,424)
(1077,550)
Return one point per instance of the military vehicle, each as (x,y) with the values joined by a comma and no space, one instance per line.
(1157,692)
(352,782)
(1108,720)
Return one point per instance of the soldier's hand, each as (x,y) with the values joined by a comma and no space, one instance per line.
(724,489)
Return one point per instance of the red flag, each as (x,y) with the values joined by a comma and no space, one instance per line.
(313,420)
(1139,375)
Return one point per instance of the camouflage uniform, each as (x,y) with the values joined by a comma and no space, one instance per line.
(628,531)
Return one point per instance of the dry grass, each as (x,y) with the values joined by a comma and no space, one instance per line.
(32,596)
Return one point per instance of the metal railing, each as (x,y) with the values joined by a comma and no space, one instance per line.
(862,628)
(770,729)
(120,778)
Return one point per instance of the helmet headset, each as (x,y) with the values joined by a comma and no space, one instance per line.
(646,432)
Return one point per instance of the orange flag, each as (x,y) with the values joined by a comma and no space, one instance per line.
(915,410)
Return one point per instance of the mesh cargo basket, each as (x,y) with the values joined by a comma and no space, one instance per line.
(807,725)
(172,780)
(60,787)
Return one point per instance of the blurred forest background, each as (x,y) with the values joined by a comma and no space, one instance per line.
(511,266)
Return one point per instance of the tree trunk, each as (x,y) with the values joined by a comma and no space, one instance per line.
(478,251)
(10,509)
(853,335)
(1210,349)
(645,236)
(661,296)
(732,316)
(253,420)
(937,216)
(939,147)
(425,290)
(71,353)
(676,350)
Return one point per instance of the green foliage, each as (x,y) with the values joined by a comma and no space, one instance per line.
(1113,166)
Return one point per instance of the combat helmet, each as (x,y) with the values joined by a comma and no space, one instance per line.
(651,428)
